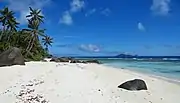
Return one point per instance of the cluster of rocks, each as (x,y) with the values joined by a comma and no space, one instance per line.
(13,56)
(73,60)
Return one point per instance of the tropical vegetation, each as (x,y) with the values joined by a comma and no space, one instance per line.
(32,40)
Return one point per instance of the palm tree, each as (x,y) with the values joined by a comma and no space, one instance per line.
(35,32)
(28,40)
(6,17)
(33,28)
(35,14)
(8,21)
(47,41)
(12,25)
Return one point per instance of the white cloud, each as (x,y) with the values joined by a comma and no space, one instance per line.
(66,18)
(22,7)
(141,27)
(161,7)
(92,11)
(77,5)
(89,48)
(106,12)
(22,18)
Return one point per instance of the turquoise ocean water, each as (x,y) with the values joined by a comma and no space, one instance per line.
(164,68)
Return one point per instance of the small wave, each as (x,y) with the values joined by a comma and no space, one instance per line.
(173,59)
(172,71)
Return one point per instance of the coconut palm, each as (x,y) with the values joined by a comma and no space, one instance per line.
(47,41)
(35,14)
(8,21)
(35,32)
(28,40)
(12,25)
(6,17)
(34,20)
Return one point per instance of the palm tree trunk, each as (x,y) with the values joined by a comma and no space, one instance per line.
(29,44)
(3,31)
(32,43)
(46,48)
(4,28)
(27,49)
(9,36)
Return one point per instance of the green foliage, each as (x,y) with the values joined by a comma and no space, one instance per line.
(27,39)
(47,40)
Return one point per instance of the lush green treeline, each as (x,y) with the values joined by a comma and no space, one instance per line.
(32,40)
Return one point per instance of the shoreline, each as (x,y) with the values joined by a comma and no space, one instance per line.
(171,80)
(80,83)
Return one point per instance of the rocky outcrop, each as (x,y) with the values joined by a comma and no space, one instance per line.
(75,61)
(54,59)
(93,61)
(136,84)
(72,60)
(65,59)
(11,56)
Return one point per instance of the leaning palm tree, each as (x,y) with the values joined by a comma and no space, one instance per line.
(35,32)
(34,21)
(47,41)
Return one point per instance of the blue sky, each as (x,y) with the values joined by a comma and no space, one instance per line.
(108,27)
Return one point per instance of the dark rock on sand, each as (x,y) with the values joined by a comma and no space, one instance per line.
(93,61)
(11,56)
(72,60)
(136,84)
(75,61)
(64,59)
(44,60)
(54,59)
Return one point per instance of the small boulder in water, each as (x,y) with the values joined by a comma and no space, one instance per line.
(136,84)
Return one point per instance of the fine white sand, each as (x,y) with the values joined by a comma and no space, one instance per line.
(79,83)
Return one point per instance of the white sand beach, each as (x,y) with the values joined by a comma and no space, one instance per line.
(79,83)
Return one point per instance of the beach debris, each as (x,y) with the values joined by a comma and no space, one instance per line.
(11,56)
(29,96)
(27,93)
(136,84)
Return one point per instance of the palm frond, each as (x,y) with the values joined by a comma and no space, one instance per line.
(31,9)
